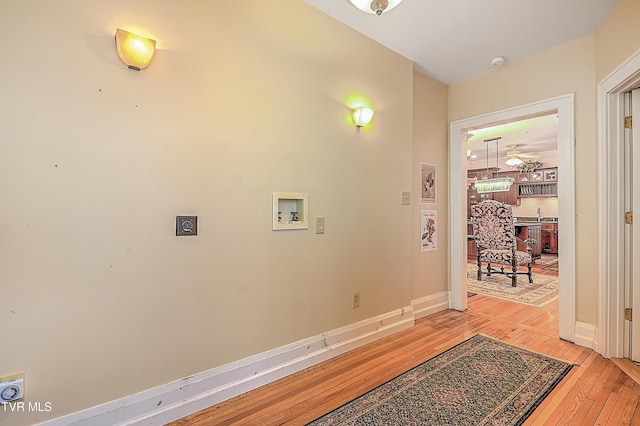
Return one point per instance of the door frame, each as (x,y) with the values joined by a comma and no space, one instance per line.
(564,105)
(611,205)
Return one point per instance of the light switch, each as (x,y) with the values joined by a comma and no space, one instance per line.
(320,225)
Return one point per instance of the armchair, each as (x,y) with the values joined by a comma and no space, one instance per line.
(495,238)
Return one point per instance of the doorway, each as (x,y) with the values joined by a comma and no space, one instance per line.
(525,151)
(564,107)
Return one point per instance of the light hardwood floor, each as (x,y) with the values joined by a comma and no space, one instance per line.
(596,391)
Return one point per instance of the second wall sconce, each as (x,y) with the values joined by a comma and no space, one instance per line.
(135,51)
(362,115)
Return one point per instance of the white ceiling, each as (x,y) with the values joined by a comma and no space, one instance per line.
(533,139)
(454,40)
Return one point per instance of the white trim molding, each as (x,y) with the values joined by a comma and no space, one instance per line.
(611,205)
(428,305)
(178,399)
(585,335)
(564,106)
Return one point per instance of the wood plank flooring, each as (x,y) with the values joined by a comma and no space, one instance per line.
(595,392)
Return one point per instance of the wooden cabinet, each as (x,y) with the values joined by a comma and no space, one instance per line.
(524,231)
(549,238)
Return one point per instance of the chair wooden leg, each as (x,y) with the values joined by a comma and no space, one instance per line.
(514,277)
(479,275)
(529,273)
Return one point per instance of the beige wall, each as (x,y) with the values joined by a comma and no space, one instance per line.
(429,272)
(565,69)
(99,298)
(618,38)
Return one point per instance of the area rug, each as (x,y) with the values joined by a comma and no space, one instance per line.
(481,381)
(543,290)
(553,266)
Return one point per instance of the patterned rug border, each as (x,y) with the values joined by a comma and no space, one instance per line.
(523,417)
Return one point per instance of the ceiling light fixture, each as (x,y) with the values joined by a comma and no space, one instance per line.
(375,6)
(493,184)
(514,160)
(498,61)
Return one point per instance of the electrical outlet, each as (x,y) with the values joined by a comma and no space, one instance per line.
(12,389)
(356,300)
(406,198)
(320,225)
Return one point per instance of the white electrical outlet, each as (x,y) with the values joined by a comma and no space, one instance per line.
(406,198)
(356,300)
(12,390)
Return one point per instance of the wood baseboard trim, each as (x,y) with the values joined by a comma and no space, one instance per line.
(178,399)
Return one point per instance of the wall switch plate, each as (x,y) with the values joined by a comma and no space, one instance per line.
(406,198)
(320,225)
(186,225)
(355,302)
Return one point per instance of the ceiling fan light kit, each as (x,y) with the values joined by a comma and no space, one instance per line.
(375,6)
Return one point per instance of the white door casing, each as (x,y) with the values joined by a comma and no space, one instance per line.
(564,105)
(610,245)
(634,255)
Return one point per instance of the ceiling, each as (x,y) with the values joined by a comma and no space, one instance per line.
(533,139)
(454,40)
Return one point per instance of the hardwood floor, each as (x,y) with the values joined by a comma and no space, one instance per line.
(596,391)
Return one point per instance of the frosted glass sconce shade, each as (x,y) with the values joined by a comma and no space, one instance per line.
(134,50)
(362,115)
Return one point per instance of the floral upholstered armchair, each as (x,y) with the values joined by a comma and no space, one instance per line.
(495,238)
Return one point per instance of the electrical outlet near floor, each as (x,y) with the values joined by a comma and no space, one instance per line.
(356,300)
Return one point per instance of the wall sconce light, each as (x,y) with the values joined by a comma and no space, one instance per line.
(134,50)
(375,6)
(362,115)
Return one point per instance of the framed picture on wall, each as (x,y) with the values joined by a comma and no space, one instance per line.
(427,183)
(428,230)
(550,175)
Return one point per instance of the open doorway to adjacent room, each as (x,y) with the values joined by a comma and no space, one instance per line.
(555,209)
(526,152)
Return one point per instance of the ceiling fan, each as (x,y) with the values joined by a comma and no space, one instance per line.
(515,157)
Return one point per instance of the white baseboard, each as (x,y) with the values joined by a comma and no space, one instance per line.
(175,400)
(430,304)
(584,335)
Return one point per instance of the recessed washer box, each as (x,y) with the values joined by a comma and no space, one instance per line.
(290,211)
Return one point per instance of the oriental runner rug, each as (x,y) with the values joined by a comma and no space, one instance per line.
(543,290)
(481,381)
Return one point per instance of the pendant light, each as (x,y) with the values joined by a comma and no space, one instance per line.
(499,184)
